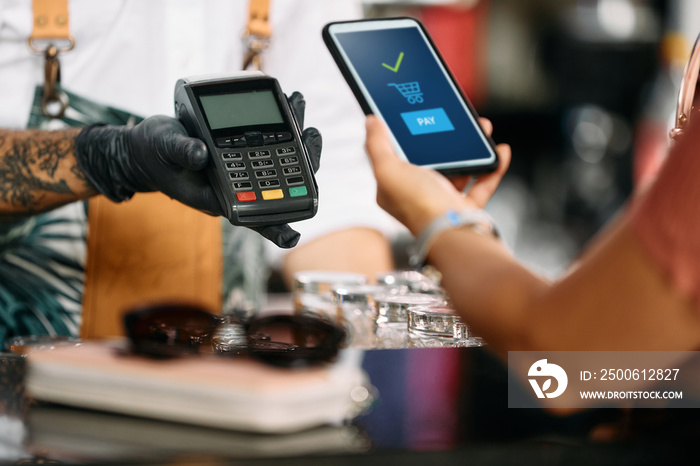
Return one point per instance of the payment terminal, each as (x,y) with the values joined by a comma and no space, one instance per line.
(259,167)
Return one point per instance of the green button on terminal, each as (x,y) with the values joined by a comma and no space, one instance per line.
(298,191)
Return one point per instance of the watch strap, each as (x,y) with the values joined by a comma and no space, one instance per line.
(477,219)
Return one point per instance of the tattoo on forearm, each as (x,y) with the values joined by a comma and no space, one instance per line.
(78,173)
(28,169)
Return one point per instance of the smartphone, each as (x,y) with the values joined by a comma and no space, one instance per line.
(397,74)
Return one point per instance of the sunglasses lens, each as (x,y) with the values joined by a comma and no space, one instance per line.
(169,330)
(293,341)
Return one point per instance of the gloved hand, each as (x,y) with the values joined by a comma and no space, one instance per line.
(158,155)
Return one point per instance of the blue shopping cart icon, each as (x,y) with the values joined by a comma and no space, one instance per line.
(411,91)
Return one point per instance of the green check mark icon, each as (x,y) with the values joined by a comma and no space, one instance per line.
(394,68)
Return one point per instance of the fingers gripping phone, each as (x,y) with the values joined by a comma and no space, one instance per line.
(397,73)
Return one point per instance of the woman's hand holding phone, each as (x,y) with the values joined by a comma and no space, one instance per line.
(415,195)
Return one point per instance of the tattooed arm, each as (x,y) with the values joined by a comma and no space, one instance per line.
(39,172)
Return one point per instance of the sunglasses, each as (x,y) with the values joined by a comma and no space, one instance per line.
(175,330)
(687,92)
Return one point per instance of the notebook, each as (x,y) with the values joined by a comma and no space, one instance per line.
(239,394)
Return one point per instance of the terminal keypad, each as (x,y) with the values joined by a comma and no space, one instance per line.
(263,166)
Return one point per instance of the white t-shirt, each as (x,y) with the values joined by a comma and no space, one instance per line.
(130,53)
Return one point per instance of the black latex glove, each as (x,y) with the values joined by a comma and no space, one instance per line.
(158,155)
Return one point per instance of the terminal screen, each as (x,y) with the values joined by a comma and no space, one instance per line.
(241,109)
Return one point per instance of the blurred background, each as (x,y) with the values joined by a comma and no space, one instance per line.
(584,91)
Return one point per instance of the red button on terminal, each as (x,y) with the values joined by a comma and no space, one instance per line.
(246,196)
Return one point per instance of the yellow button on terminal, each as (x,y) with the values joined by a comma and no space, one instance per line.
(272,194)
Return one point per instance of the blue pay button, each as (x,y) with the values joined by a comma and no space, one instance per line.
(433,120)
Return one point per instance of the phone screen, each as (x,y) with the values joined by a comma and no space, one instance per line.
(405,83)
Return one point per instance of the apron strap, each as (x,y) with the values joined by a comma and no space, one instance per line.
(257,33)
(51,25)
(51,36)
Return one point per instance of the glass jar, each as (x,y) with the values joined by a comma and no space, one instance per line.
(392,316)
(313,291)
(230,336)
(411,281)
(22,344)
(463,337)
(358,313)
(15,401)
(432,326)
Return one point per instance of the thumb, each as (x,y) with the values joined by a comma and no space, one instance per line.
(168,138)
(314,143)
(296,100)
(187,152)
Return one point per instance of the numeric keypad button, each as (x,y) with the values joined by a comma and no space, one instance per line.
(235,166)
(238,176)
(258,154)
(265,173)
(289,160)
(262,163)
(268,184)
(286,150)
